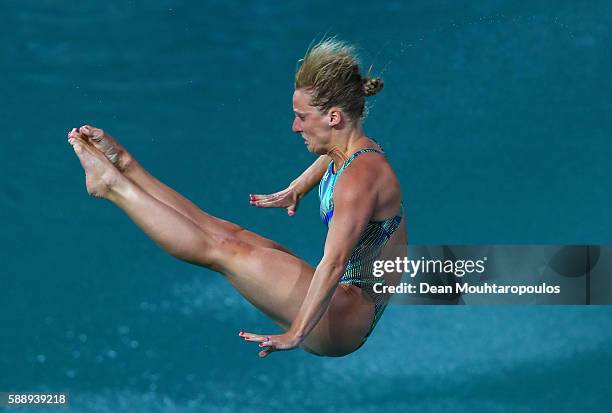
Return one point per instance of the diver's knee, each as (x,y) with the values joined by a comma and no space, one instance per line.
(230,227)
(225,250)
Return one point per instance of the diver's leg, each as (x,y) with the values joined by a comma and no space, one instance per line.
(131,168)
(170,197)
(274,281)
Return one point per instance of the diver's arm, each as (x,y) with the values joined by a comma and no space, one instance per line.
(354,203)
(355,197)
(311,176)
(290,197)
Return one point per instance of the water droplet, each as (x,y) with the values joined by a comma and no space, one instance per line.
(41,358)
(83,338)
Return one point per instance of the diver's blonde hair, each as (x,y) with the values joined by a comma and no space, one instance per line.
(330,71)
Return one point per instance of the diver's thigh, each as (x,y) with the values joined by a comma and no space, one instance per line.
(274,281)
(343,326)
(277,282)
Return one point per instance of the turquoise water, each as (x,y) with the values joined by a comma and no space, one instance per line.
(494,116)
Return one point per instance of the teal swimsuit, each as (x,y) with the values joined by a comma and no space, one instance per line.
(359,268)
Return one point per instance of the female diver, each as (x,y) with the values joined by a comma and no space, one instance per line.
(329,310)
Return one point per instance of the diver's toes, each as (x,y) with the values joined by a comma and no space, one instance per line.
(78,150)
(86,129)
(75,134)
(93,133)
(97,135)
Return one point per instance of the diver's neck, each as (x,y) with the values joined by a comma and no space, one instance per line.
(344,145)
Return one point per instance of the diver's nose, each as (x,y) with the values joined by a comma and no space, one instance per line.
(296,125)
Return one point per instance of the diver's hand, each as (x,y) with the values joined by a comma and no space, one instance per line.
(280,342)
(288,198)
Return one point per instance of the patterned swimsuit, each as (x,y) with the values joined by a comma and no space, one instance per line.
(359,268)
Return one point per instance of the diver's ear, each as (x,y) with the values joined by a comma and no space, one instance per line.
(335,117)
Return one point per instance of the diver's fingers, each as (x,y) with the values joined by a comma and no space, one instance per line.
(256,197)
(254,337)
(270,203)
(292,209)
(264,353)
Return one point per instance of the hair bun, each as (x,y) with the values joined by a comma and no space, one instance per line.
(372,86)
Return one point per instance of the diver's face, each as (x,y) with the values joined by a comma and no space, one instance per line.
(310,123)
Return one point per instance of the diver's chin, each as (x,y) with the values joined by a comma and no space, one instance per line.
(317,150)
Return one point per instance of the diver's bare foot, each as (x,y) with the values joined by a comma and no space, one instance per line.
(101,177)
(106,144)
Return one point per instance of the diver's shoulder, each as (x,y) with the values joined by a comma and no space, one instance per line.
(368,170)
(373,162)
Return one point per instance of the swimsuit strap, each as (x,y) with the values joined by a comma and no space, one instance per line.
(353,156)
